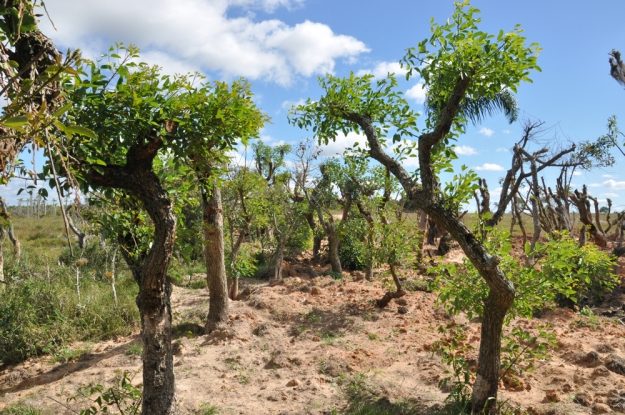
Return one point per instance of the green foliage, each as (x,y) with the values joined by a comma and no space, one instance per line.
(577,271)
(520,349)
(245,264)
(301,238)
(39,316)
(122,397)
(566,269)
(353,250)
(495,65)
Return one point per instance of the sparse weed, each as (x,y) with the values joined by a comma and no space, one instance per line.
(67,355)
(135,349)
(207,409)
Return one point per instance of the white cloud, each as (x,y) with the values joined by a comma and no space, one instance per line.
(342,142)
(465,150)
(417,92)
(486,131)
(199,34)
(608,176)
(506,131)
(490,167)
(610,184)
(502,150)
(382,69)
(577,173)
(609,194)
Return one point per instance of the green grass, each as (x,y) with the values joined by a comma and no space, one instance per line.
(20,409)
(40,312)
(208,409)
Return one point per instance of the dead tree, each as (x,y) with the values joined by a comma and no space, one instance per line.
(581,200)
(516,175)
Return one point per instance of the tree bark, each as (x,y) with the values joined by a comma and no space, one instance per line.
(150,272)
(333,252)
(279,258)
(316,238)
(215,262)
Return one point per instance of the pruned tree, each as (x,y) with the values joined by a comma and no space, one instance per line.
(124,114)
(465,79)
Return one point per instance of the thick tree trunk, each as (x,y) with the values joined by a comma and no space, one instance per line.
(485,388)
(150,272)
(432,232)
(333,252)
(215,263)
(279,258)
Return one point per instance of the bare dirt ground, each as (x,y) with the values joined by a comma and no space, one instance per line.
(290,348)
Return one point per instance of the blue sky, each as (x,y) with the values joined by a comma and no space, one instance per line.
(281,46)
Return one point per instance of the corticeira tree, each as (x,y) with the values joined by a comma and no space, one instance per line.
(222,114)
(467,74)
(125,115)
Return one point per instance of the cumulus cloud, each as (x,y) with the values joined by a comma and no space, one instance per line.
(612,184)
(577,173)
(486,131)
(342,142)
(465,150)
(502,150)
(490,167)
(199,34)
(608,176)
(609,194)
(382,69)
(417,92)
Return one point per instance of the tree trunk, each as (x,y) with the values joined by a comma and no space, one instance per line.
(487,380)
(316,238)
(233,280)
(278,259)
(150,272)
(2,281)
(215,263)
(333,247)
(432,232)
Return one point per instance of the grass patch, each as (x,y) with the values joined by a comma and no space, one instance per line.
(40,312)
(20,409)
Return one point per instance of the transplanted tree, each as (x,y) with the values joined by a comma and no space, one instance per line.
(468,74)
(124,115)
(222,115)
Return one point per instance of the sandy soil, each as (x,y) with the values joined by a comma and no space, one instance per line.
(289,348)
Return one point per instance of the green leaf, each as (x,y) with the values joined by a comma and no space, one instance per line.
(16,122)
(77,129)
(62,110)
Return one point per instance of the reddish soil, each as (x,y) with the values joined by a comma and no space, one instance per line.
(290,347)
